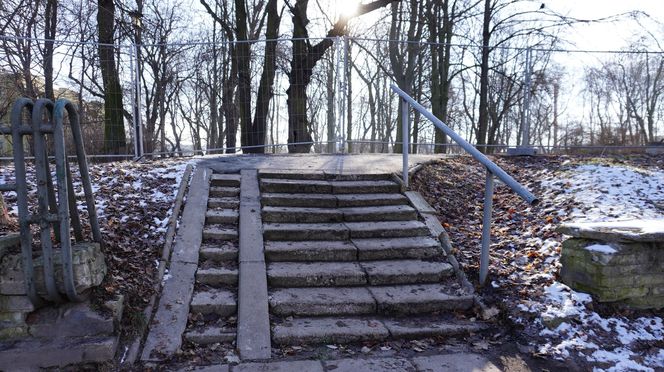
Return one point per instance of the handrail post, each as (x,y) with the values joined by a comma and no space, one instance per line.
(405,134)
(486,226)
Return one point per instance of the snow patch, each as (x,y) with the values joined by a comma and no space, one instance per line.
(601,248)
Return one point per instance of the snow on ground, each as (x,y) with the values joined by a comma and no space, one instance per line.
(609,193)
(602,193)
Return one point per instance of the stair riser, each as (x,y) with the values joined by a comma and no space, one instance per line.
(220,235)
(291,309)
(375,189)
(396,216)
(217,218)
(289,201)
(226,180)
(219,309)
(406,308)
(316,281)
(224,192)
(302,217)
(223,203)
(217,255)
(394,254)
(306,235)
(215,279)
(302,188)
(310,255)
(384,233)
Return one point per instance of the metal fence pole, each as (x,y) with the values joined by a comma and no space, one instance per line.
(486,226)
(138,127)
(406,134)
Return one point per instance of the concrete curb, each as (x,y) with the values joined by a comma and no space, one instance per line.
(253,327)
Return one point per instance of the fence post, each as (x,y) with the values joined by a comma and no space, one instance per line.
(406,134)
(339,114)
(136,80)
(486,227)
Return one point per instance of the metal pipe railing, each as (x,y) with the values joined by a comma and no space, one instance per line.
(491,170)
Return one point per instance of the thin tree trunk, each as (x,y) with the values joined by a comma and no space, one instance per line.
(114,132)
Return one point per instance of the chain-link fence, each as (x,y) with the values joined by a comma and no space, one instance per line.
(333,96)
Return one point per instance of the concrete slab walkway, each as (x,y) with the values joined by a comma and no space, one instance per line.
(336,164)
(458,362)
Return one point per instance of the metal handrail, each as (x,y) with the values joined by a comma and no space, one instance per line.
(491,170)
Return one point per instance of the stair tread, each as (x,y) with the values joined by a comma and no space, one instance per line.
(419,298)
(322,301)
(217,300)
(375,229)
(310,250)
(225,179)
(405,271)
(307,274)
(217,276)
(219,233)
(395,248)
(295,185)
(364,187)
(353,200)
(222,216)
(210,334)
(305,231)
(223,191)
(301,214)
(299,200)
(223,252)
(224,202)
(304,330)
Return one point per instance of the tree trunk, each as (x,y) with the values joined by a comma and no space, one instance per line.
(483,120)
(5,220)
(267,78)
(50,27)
(114,132)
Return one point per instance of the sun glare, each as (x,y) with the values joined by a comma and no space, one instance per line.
(347,8)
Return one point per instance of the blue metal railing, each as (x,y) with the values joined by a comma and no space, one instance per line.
(491,170)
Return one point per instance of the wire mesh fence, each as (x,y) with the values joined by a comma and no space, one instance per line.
(332,95)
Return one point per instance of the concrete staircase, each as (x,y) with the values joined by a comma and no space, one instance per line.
(348,260)
(213,307)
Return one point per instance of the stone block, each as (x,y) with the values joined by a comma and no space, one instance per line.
(88,264)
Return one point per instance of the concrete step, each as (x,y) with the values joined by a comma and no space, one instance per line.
(210,335)
(351,214)
(221,192)
(222,216)
(228,202)
(295,186)
(218,233)
(389,229)
(364,187)
(370,200)
(298,200)
(379,213)
(219,252)
(214,301)
(321,301)
(217,276)
(225,180)
(299,331)
(419,299)
(315,274)
(290,174)
(396,248)
(391,272)
(301,214)
(310,250)
(330,176)
(305,231)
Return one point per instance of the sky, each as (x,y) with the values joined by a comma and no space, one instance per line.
(610,35)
